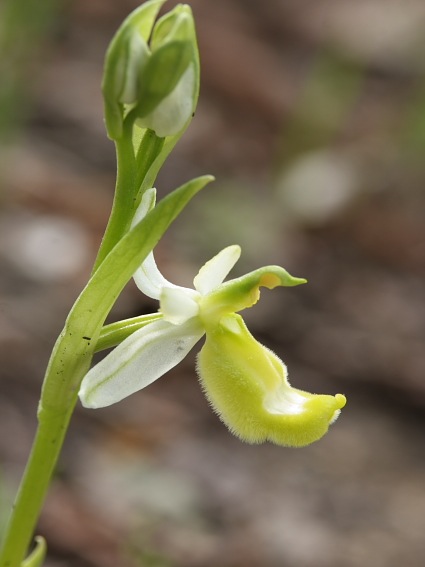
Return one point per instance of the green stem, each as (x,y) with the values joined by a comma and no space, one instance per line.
(35,483)
(124,193)
(131,171)
(69,363)
(149,149)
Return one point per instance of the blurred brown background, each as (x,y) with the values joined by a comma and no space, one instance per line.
(312,118)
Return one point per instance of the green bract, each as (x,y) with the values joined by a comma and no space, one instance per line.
(152,71)
(245,382)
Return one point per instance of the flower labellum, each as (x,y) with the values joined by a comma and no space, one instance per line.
(247,386)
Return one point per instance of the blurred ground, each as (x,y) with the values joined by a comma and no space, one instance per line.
(312,119)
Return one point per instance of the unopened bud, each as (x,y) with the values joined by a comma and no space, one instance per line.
(158,82)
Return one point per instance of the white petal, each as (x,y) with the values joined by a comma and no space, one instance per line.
(213,273)
(178,305)
(138,361)
(148,278)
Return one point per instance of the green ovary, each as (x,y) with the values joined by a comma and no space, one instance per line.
(246,385)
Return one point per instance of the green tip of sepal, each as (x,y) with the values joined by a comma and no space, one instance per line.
(247,387)
(293,281)
(177,24)
(37,555)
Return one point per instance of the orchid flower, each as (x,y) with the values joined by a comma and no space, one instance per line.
(245,382)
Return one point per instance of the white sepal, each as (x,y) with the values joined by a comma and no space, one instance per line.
(213,273)
(148,278)
(138,361)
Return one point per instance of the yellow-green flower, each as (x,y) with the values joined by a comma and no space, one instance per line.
(244,381)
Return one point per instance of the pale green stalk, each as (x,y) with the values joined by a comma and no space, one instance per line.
(131,170)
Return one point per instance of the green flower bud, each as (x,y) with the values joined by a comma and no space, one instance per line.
(157,82)
(247,386)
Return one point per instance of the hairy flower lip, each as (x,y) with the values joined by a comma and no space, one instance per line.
(247,386)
